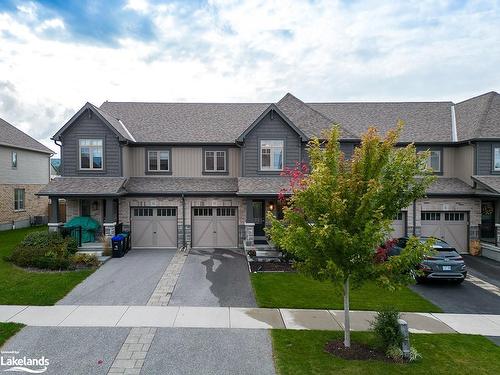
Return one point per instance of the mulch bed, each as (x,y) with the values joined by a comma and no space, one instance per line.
(271,267)
(356,351)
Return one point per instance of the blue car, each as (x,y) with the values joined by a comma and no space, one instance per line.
(445,264)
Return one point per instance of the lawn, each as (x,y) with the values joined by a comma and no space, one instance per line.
(302,352)
(296,291)
(19,287)
(7,330)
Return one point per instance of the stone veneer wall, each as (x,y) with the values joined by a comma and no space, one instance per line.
(34,205)
(73,209)
(471,205)
(126,203)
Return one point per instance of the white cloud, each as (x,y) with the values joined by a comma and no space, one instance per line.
(251,51)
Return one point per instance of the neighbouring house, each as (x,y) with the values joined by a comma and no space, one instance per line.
(24,170)
(204,174)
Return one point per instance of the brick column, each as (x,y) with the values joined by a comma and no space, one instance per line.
(110,219)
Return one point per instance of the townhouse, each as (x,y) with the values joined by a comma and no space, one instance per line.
(204,174)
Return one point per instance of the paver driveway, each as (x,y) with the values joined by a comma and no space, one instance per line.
(122,281)
(214,277)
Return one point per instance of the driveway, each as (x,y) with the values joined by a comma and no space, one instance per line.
(214,277)
(122,281)
(466,297)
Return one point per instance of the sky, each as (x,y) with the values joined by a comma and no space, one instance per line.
(57,55)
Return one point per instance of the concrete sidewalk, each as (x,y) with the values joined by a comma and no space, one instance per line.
(236,317)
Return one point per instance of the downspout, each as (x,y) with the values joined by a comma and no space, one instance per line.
(414,216)
(183,221)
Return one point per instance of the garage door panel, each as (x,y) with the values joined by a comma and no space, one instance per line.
(215,227)
(448,226)
(226,234)
(154,227)
(203,235)
(399,226)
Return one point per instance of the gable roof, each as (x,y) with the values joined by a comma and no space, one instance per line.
(309,120)
(12,136)
(479,117)
(185,122)
(424,121)
(113,123)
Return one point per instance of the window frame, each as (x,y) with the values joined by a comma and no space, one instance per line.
(495,147)
(13,159)
(158,171)
(91,157)
(440,153)
(271,169)
(158,160)
(438,149)
(215,156)
(17,201)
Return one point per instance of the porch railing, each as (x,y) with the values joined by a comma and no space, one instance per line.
(75,232)
(488,233)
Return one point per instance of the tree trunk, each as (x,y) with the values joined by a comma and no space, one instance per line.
(347,324)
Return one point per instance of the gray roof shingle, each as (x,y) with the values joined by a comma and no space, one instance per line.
(310,121)
(445,185)
(262,185)
(12,136)
(424,121)
(178,185)
(84,186)
(479,117)
(185,122)
(491,182)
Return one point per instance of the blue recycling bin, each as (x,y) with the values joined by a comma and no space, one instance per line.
(117,244)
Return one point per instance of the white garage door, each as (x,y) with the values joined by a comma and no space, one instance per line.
(448,226)
(215,227)
(154,227)
(399,226)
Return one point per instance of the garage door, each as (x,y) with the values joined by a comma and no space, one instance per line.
(448,226)
(154,227)
(215,227)
(399,226)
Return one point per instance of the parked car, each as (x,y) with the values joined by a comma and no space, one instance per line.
(445,264)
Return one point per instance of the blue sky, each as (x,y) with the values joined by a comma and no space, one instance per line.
(56,55)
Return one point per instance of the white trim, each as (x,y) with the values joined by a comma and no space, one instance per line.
(494,161)
(454,136)
(158,161)
(215,170)
(270,168)
(128,133)
(91,157)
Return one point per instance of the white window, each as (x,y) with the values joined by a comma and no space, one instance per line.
(158,161)
(271,155)
(215,161)
(13,158)
(18,199)
(434,160)
(91,154)
(496,160)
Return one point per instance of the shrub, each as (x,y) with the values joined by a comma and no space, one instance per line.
(386,328)
(44,250)
(84,260)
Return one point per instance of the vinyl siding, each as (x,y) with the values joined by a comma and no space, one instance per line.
(90,128)
(484,158)
(185,161)
(270,129)
(464,163)
(32,167)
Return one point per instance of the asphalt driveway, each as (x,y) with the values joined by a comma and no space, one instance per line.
(214,277)
(122,281)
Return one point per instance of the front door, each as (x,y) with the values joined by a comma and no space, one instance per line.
(488,221)
(259,217)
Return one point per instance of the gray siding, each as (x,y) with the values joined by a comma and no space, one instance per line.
(270,129)
(32,167)
(484,158)
(90,128)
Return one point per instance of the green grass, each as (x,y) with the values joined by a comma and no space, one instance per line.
(292,290)
(302,352)
(8,330)
(20,287)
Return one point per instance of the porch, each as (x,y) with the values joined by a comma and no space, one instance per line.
(489,232)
